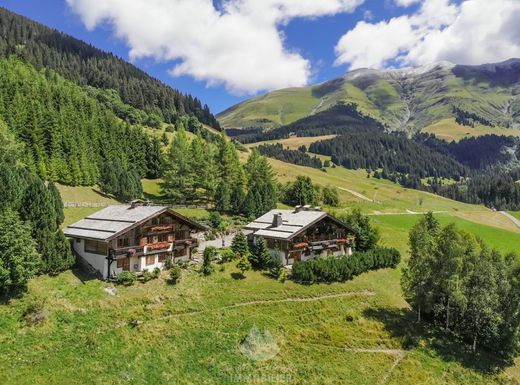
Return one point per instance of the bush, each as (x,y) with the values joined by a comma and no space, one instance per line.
(147,276)
(35,314)
(168,263)
(346,267)
(209,255)
(282,275)
(156,272)
(126,278)
(175,274)
(227,255)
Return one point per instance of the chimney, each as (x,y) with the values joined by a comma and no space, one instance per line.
(297,209)
(306,207)
(135,203)
(277,220)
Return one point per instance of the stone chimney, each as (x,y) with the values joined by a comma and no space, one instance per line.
(277,220)
(297,209)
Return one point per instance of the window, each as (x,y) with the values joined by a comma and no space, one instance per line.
(150,260)
(123,263)
(95,247)
(163,238)
(181,234)
(122,242)
(163,257)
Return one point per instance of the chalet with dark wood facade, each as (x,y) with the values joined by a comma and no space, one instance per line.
(301,234)
(133,237)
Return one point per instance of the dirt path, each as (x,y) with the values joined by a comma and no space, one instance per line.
(355,193)
(317,107)
(512,218)
(367,293)
(399,353)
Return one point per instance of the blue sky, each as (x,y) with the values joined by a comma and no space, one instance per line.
(283,45)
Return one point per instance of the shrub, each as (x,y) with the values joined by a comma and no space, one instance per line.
(282,275)
(126,278)
(168,263)
(156,272)
(147,276)
(35,314)
(209,255)
(227,255)
(175,274)
(243,265)
(346,267)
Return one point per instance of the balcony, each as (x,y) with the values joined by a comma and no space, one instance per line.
(129,251)
(319,245)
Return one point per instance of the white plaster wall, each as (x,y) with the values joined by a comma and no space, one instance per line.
(97,261)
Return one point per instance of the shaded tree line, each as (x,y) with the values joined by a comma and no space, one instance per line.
(86,65)
(336,120)
(458,283)
(303,192)
(394,153)
(31,212)
(277,151)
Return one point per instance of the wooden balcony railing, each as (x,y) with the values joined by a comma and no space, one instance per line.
(130,250)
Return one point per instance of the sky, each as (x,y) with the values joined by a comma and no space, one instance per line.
(226,51)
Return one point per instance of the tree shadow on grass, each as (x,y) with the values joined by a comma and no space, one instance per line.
(402,324)
(236,275)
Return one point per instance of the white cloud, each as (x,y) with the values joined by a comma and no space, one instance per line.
(238,45)
(474,32)
(406,3)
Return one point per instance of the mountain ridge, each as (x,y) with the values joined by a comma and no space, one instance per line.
(407,99)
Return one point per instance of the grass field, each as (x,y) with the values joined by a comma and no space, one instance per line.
(358,332)
(516,214)
(449,130)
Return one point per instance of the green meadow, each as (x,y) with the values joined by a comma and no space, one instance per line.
(196,332)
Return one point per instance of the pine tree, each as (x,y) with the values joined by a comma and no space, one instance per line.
(417,280)
(57,203)
(261,256)
(19,260)
(239,244)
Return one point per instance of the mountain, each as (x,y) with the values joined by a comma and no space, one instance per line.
(400,99)
(86,65)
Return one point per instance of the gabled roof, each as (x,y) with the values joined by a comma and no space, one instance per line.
(114,220)
(293,223)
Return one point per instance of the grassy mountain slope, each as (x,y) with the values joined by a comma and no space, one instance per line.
(411,98)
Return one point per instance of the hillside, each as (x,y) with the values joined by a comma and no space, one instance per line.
(86,65)
(400,99)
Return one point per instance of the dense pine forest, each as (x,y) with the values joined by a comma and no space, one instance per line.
(69,135)
(86,65)
(394,153)
(299,157)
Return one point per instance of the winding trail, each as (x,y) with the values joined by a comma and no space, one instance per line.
(366,293)
(399,353)
(512,218)
(355,193)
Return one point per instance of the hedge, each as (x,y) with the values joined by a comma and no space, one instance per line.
(340,269)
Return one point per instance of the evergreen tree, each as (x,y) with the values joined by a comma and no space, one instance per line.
(57,203)
(261,256)
(19,260)
(367,236)
(243,265)
(179,178)
(239,244)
